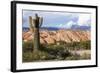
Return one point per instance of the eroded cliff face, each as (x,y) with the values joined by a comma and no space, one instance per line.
(51,37)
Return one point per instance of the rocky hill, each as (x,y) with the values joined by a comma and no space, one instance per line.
(51,37)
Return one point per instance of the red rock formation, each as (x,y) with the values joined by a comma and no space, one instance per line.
(68,36)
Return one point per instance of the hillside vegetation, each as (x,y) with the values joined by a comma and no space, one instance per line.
(58,45)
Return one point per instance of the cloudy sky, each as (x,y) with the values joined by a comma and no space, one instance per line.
(58,19)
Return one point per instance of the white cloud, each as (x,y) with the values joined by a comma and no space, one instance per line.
(84,19)
(69,24)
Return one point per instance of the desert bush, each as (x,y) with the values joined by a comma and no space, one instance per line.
(56,51)
(86,56)
(85,44)
(38,56)
(61,42)
(27,57)
(73,57)
(27,46)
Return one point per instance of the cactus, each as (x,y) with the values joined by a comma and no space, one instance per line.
(34,27)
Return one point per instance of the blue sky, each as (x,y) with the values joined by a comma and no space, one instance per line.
(58,19)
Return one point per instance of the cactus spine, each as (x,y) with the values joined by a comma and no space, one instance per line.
(34,27)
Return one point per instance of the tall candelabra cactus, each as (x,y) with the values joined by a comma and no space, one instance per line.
(35,24)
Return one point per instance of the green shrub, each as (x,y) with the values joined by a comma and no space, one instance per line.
(85,44)
(27,46)
(86,56)
(27,57)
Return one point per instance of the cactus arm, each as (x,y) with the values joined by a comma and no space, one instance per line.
(31,22)
(40,21)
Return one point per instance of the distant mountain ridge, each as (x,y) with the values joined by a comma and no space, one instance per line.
(73,27)
(81,27)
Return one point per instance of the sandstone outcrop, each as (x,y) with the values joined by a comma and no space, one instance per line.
(51,37)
